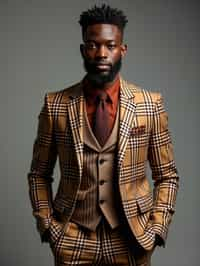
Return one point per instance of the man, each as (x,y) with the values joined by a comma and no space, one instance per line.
(104,130)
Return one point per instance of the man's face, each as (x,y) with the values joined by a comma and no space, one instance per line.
(102,52)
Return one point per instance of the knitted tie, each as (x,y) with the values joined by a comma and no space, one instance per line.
(101,126)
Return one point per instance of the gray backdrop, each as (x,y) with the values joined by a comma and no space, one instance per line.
(39,52)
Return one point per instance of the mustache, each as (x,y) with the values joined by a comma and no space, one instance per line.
(100,63)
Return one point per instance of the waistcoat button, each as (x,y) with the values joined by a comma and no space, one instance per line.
(101,161)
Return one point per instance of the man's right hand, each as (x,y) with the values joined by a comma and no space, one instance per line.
(46,236)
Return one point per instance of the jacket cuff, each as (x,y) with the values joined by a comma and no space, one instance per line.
(42,227)
(160,234)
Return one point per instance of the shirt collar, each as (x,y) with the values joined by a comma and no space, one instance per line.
(91,93)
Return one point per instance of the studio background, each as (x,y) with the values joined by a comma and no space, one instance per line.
(39,53)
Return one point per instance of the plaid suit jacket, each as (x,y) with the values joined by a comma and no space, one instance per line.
(143,138)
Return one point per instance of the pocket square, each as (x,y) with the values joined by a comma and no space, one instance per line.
(138,130)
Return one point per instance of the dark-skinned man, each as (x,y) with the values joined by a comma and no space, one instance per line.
(103,130)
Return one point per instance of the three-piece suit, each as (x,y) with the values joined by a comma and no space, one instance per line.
(140,136)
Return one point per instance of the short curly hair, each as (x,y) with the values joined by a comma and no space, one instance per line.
(103,14)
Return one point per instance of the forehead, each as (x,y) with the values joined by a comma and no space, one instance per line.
(102,32)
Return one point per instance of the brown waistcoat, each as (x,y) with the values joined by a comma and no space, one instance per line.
(97,196)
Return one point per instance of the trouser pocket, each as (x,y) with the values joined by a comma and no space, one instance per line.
(55,229)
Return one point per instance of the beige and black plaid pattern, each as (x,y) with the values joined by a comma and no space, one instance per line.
(61,133)
(80,246)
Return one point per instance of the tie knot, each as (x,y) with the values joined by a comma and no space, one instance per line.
(102,96)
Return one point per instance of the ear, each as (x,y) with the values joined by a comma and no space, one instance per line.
(82,49)
(124,48)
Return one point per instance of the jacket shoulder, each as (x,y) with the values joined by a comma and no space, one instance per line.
(63,95)
(142,95)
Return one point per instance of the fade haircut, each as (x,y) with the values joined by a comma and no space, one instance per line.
(103,15)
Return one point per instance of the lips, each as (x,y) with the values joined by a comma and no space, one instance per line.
(102,66)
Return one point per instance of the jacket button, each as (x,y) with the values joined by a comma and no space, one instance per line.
(102,182)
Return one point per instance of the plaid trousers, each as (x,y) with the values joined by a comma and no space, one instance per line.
(76,245)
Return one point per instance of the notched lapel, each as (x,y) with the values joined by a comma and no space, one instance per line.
(76,119)
(127,114)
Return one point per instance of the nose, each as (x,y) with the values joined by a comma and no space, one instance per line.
(101,52)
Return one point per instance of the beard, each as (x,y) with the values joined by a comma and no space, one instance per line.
(100,78)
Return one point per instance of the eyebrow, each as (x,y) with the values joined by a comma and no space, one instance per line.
(97,41)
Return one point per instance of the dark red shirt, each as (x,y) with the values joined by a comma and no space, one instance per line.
(91,94)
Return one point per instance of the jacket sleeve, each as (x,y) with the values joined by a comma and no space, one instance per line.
(40,175)
(164,172)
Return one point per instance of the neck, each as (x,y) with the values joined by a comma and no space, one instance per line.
(105,85)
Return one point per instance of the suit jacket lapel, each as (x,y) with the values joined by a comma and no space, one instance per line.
(127,113)
(75,107)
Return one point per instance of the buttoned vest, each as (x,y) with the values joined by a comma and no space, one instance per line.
(98,194)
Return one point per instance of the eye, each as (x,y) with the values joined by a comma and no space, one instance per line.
(111,46)
(90,46)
